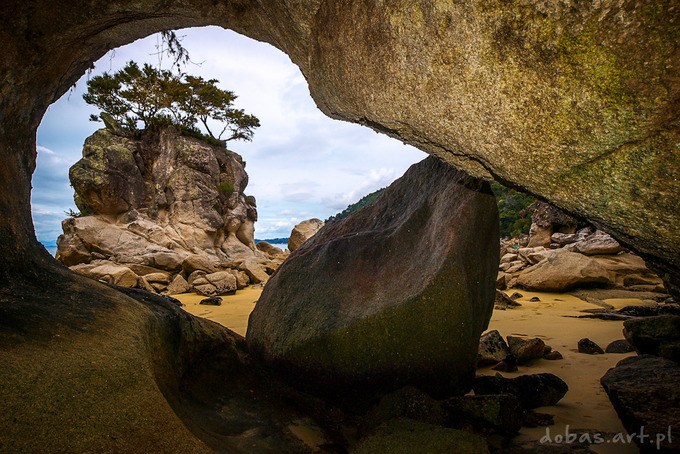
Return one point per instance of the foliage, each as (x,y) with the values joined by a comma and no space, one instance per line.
(226,188)
(76,214)
(515,217)
(157,97)
(512,210)
(366,200)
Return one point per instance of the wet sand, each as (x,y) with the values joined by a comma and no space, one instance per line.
(585,406)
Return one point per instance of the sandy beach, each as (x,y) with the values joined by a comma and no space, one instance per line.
(585,406)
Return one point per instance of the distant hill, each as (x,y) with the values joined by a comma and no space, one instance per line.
(512,209)
(514,216)
(365,200)
(273,240)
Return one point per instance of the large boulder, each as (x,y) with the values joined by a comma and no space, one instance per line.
(563,270)
(645,392)
(397,293)
(659,336)
(302,232)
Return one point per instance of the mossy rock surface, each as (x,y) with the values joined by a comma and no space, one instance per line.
(407,436)
(397,293)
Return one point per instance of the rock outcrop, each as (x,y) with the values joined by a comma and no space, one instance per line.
(557,257)
(160,207)
(129,372)
(360,306)
(302,232)
(659,336)
(645,391)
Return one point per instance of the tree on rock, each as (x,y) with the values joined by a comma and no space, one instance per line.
(157,97)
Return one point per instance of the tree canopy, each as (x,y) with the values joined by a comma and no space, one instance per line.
(157,97)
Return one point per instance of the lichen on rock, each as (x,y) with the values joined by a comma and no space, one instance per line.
(155,202)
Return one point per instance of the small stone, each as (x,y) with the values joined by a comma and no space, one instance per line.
(526,350)
(536,419)
(535,299)
(589,347)
(619,346)
(492,349)
(212,301)
(516,295)
(509,364)
(553,355)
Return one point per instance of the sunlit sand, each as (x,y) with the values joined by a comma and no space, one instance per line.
(585,406)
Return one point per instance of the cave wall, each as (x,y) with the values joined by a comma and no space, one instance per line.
(574,102)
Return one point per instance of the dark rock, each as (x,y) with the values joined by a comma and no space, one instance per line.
(669,310)
(509,364)
(536,419)
(639,311)
(501,281)
(516,295)
(492,349)
(526,350)
(645,391)
(174,301)
(659,336)
(553,355)
(503,302)
(212,301)
(408,436)
(538,390)
(492,413)
(589,347)
(538,447)
(535,299)
(344,310)
(407,402)
(619,346)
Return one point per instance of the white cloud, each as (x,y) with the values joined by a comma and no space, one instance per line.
(301,163)
(44,150)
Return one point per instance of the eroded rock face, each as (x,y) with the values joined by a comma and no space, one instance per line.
(162,203)
(360,305)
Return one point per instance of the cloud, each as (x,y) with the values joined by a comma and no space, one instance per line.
(374,180)
(301,164)
(299,191)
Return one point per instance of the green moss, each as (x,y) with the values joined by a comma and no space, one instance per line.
(407,436)
(225,188)
(434,344)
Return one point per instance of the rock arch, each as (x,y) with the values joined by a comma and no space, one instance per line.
(577,104)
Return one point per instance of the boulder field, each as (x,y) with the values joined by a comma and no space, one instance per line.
(359,306)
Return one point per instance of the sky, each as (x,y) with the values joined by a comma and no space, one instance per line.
(301,164)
